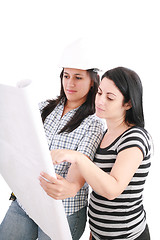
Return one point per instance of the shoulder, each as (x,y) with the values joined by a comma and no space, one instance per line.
(136,137)
(138,132)
(42,105)
(46,103)
(93,118)
(94,122)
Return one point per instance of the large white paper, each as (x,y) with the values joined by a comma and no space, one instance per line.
(24,154)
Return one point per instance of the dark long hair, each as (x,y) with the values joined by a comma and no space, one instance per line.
(86,109)
(129,83)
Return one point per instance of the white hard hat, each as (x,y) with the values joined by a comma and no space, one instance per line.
(80,55)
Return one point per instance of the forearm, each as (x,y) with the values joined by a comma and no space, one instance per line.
(108,185)
(75,178)
(101,182)
(71,191)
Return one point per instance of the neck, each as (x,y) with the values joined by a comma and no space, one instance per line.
(69,106)
(119,125)
(72,105)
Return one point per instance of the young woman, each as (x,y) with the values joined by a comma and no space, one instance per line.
(121,163)
(69,123)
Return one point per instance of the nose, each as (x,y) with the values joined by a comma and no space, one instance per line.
(71,82)
(100,100)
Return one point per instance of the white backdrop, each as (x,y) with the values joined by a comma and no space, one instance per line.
(34,33)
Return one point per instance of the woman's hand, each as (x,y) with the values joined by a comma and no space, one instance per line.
(65,155)
(58,188)
(62,188)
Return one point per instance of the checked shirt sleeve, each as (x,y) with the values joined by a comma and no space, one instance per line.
(92,138)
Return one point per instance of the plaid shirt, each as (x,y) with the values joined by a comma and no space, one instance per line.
(84,139)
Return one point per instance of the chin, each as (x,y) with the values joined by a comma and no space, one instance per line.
(99,115)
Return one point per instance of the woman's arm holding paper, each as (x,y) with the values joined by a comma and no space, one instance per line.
(62,188)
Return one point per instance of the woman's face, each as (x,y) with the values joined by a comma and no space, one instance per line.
(110,101)
(76,84)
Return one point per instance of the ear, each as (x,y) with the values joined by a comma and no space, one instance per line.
(128,105)
(92,83)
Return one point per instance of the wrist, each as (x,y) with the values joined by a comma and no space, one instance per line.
(78,158)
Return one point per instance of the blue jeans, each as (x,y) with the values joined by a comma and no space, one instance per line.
(17,225)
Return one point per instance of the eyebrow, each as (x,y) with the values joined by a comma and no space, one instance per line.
(77,74)
(107,92)
(111,93)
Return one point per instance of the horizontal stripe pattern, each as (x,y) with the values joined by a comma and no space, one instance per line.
(123,217)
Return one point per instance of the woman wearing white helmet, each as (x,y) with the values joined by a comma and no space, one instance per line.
(69,123)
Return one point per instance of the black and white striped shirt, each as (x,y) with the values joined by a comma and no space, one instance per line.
(123,217)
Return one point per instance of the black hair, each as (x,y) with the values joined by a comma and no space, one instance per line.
(86,109)
(129,84)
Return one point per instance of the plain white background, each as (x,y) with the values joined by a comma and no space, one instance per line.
(34,33)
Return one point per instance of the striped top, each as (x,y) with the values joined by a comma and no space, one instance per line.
(123,217)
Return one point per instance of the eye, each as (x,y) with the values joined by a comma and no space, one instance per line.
(65,76)
(110,98)
(78,78)
(99,93)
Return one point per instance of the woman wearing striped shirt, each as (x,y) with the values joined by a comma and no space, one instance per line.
(121,163)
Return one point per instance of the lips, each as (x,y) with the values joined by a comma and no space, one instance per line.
(99,109)
(70,91)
